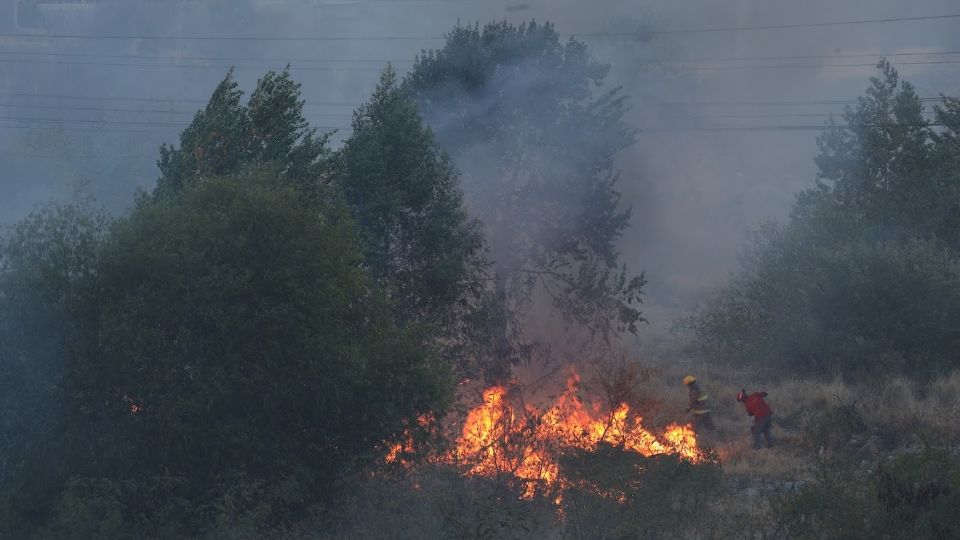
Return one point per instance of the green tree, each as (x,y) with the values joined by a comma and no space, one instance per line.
(418,239)
(48,267)
(48,264)
(227,136)
(403,193)
(518,111)
(219,355)
(867,271)
(239,334)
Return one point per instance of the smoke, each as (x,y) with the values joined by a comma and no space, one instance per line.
(694,192)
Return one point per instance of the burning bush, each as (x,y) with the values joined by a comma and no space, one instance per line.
(520,443)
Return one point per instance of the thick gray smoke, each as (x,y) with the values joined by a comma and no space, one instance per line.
(86,116)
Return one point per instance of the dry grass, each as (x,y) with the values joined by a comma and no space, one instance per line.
(812,419)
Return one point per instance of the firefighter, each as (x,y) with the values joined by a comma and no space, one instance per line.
(699,404)
(762,415)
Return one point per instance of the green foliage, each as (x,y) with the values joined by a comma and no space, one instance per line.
(516,109)
(610,493)
(618,494)
(48,264)
(439,502)
(827,425)
(866,273)
(227,136)
(218,360)
(238,320)
(403,193)
(88,509)
(913,495)
(838,504)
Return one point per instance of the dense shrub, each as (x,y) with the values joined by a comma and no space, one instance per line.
(865,275)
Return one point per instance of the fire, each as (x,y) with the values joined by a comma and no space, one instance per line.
(502,436)
(132,405)
(399,451)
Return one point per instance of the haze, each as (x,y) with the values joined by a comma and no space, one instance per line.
(87,115)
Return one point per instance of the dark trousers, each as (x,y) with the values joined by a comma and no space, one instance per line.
(703,422)
(761,428)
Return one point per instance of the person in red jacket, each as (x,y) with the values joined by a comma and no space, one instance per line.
(762,416)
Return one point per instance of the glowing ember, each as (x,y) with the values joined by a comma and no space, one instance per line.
(399,452)
(132,405)
(500,437)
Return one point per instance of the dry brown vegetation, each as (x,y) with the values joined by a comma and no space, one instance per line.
(823,479)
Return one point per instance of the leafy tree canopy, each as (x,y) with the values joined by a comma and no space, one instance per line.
(522,115)
(404,194)
(48,268)
(867,272)
(238,323)
(227,136)
(224,347)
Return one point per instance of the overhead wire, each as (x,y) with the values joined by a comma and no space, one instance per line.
(813,56)
(636,104)
(102,122)
(137,37)
(150,99)
(206,58)
(179,58)
(787,26)
(817,66)
(345,114)
(122,122)
(184,66)
(123,110)
(780,127)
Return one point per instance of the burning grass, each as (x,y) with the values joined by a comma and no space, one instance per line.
(504,436)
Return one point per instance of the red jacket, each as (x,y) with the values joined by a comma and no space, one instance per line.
(756,406)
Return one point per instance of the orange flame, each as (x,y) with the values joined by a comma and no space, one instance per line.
(399,452)
(499,438)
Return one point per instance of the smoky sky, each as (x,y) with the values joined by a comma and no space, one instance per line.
(83,116)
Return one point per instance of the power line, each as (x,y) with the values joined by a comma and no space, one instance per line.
(649,129)
(177,58)
(636,104)
(779,115)
(207,58)
(766,103)
(154,99)
(95,109)
(101,129)
(639,104)
(817,66)
(91,129)
(221,38)
(191,113)
(123,122)
(782,127)
(348,68)
(121,110)
(430,38)
(378,70)
(775,26)
(813,56)
(183,66)
(331,115)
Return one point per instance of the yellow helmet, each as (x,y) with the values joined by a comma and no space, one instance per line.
(689,379)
